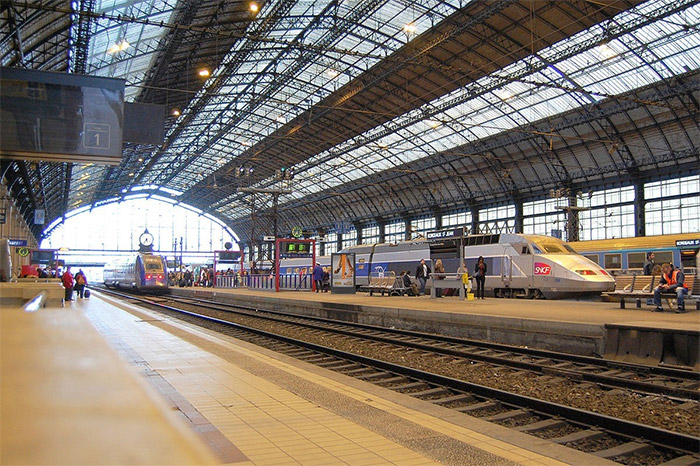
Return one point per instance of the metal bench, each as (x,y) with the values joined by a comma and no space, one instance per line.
(642,287)
(386,282)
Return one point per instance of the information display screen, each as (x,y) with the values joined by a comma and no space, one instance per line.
(60,116)
(229,256)
(295,249)
(43,256)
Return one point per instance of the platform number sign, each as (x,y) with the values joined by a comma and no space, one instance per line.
(96,136)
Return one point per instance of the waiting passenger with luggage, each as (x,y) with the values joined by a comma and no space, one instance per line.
(672,281)
(80,283)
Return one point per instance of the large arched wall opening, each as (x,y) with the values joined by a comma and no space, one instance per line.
(91,237)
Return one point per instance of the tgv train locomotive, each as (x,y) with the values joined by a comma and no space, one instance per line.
(519,265)
(143,272)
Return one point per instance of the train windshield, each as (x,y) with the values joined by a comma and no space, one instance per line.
(153,264)
(552,247)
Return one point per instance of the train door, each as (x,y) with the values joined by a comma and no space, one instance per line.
(523,266)
(506,270)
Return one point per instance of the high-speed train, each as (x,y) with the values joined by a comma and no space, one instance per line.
(519,265)
(143,272)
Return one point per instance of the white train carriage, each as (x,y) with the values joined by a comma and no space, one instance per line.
(143,272)
(387,257)
(534,266)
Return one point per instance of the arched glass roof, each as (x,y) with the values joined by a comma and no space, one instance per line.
(471,103)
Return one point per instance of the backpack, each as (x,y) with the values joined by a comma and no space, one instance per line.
(80,280)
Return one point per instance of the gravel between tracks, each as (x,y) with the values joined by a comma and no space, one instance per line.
(650,410)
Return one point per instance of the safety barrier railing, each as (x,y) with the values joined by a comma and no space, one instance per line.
(260,282)
(228,281)
(295,282)
(292,282)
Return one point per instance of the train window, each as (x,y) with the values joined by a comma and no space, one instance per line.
(664,257)
(526,250)
(635,260)
(591,257)
(613,261)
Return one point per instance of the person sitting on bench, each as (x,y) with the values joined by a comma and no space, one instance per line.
(672,281)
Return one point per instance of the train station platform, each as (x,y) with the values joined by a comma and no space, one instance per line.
(246,404)
(586,326)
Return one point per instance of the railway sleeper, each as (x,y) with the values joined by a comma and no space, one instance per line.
(393,380)
(359,371)
(541,425)
(432,393)
(294,352)
(347,366)
(509,415)
(454,399)
(320,358)
(588,434)
(562,373)
(685,460)
(626,449)
(377,375)
(687,406)
(483,406)
(411,387)
(332,363)
(563,365)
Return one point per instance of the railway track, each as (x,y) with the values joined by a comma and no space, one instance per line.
(666,381)
(604,436)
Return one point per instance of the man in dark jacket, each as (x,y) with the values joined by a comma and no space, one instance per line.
(318,277)
(422,274)
(672,281)
(649,264)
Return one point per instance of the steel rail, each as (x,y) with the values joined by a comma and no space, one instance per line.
(632,430)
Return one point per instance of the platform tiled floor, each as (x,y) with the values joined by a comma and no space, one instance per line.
(235,390)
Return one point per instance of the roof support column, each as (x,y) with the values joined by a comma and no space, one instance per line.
(475,219)
(382,230)
(437,213)
(518,203)
(358,233)
(639,214)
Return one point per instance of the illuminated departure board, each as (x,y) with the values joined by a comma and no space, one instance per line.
(295,249)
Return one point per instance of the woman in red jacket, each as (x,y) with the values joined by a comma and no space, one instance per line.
(68,283)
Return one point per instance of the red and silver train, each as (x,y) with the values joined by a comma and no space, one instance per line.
(143,272)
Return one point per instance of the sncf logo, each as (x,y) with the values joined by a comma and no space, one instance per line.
(542,269)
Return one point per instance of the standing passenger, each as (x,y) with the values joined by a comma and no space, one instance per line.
(422,274)
(439,273)
(464,276)
(649,270)
(649,264)
(68,283)
(480,275)
(318,277)
(80,283)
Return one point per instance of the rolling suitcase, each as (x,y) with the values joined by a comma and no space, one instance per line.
(87,293)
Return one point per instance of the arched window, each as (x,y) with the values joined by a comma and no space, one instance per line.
(116,227)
